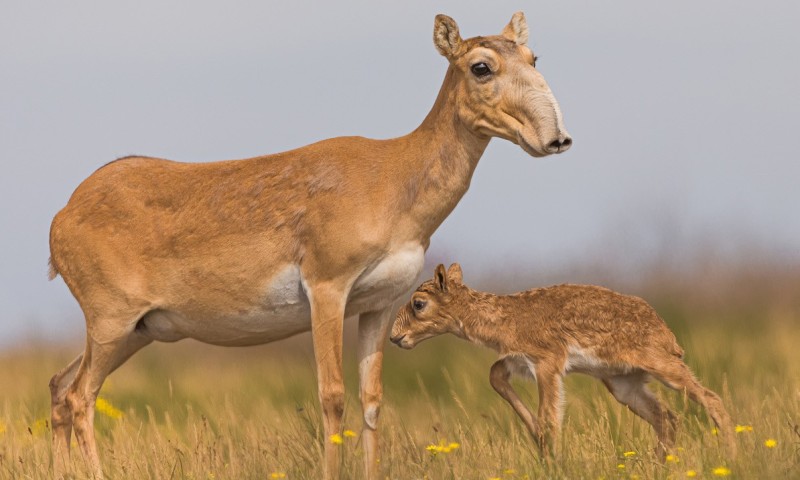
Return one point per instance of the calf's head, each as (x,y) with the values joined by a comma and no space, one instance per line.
(432,310)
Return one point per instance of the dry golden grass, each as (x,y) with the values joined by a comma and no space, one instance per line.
(199,412)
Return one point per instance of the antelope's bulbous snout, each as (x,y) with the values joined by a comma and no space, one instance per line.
(542,131)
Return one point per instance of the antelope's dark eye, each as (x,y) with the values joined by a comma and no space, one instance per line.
(481,69)
(418,305)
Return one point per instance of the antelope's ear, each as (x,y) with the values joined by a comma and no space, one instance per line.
(446,36)
(517,29)
(455,274)
(440,278)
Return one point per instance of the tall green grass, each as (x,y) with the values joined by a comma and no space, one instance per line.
(193,411)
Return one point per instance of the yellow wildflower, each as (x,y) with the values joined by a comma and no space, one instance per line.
(714,431)
(104,406)
(442,447)
(621,466)
(721,471)
(494,478)
(691,473)
(672,459)
(769,443)
(2,428)
(349,433)
(743,428)
(277,475)
(509,471)
(634,477)
(39,427)
(336,439)
(629,454)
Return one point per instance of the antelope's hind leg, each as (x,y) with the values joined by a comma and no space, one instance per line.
(631,390)
(676,375)
(97,362)
(61,416)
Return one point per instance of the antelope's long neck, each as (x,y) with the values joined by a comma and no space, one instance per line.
(442,154)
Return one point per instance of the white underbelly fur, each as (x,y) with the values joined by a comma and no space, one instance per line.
(386,281)
(284,309)
(583,360)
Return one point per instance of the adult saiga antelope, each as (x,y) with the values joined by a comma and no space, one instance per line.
(251,251)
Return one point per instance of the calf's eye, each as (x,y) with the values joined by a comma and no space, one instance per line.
(418,305)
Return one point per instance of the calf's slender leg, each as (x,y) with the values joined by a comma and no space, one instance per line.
(631,390)
(551,405)
(499,378)
(675,374)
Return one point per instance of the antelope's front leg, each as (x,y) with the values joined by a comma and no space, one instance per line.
(327,319)
(499,377)
(551,394)
(373,328)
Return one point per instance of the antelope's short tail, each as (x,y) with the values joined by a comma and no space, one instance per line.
(52,271)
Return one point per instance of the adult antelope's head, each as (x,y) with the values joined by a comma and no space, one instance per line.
(499,91)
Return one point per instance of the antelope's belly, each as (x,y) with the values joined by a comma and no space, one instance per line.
(280,310)
(283,309)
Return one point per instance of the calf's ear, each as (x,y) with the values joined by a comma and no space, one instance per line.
(455,274)
(440,278)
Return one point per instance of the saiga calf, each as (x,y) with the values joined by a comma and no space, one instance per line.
(546,333)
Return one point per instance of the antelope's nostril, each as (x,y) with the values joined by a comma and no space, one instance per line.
(559,145)
(554,145)
(397,340)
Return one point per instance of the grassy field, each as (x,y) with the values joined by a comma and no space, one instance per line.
(199,412)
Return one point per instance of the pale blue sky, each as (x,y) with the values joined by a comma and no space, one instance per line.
(684,116)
